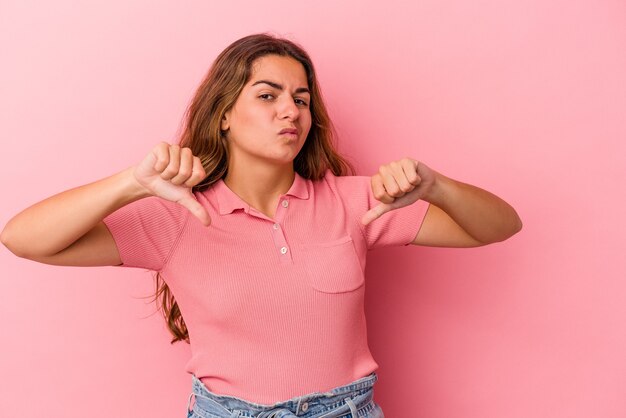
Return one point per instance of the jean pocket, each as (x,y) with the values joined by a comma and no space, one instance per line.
(205,407)
(333,266)
(201,413)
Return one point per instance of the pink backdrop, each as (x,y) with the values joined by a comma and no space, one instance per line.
(526,99)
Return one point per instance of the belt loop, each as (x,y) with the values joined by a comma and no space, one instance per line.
(189,402)
(352,406)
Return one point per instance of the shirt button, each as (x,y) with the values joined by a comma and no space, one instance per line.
(275,226)
(285,203)
(305,407)
(283,250)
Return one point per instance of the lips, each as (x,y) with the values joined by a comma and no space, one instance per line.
(289,131)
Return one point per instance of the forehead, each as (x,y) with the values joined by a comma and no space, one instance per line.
(278,68)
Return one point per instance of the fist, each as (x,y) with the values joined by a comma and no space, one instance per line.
(398,184)
(169,172)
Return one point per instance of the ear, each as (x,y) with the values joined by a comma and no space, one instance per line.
(225,124)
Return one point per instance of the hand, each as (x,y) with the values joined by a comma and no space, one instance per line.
(398,184)
(169,172)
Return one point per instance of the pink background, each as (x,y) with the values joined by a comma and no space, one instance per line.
(526,99)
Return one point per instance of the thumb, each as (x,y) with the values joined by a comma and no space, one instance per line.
(196,209)
(375,213)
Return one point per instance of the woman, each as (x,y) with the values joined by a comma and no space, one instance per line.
(254,225)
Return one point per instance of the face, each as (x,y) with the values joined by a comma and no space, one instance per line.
(275,98)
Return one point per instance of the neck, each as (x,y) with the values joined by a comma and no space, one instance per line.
(259,184)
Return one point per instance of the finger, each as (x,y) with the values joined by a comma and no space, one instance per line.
(198,173)
(389,174)
(375,213)
(410,170)
(378,189)
(162,156)
(400,169)
(174,165)
(196,209)
(186,167)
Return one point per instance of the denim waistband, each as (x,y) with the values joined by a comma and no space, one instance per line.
(350,398)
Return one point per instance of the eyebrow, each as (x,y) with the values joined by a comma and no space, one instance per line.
(280,87)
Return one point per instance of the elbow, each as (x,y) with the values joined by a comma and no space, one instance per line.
(518,226)
(505,231)
(514,226)
(8,240)
(5,238)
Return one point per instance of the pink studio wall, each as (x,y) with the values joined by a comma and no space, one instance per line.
(526,99)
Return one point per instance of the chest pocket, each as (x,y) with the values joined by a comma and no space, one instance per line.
(333,266)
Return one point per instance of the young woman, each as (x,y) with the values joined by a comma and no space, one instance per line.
(258,232)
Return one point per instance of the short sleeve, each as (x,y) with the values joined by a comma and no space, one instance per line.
(398,227)
(146,230)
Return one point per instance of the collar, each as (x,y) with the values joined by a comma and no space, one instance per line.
(228,201)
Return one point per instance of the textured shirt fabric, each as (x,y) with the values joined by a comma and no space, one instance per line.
(274,307)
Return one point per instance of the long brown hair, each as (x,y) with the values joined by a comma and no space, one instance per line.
(217,93)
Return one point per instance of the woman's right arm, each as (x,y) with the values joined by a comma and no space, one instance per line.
(67,228)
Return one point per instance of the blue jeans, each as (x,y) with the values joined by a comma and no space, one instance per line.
(355,399)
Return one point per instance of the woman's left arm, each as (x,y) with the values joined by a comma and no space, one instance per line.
(459,215)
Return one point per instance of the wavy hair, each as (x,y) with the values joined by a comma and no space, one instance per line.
(202,133)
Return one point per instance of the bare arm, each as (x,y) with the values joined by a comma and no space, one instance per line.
(67,228)
(54,224)
(460,215)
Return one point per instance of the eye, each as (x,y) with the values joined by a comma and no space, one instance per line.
(300,101)
(304,103)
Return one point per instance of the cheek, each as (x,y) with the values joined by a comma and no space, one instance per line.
(247,113)
(309,121)
(258,118)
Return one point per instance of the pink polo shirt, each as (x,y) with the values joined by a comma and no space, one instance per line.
(274,307)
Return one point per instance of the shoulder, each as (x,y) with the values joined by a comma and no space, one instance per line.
(346,184)
(353,191)
(148,213)
(154,204)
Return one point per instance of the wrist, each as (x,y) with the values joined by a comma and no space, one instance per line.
(132,187)
(436,193)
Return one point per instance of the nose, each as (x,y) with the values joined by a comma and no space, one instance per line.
(288,108)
